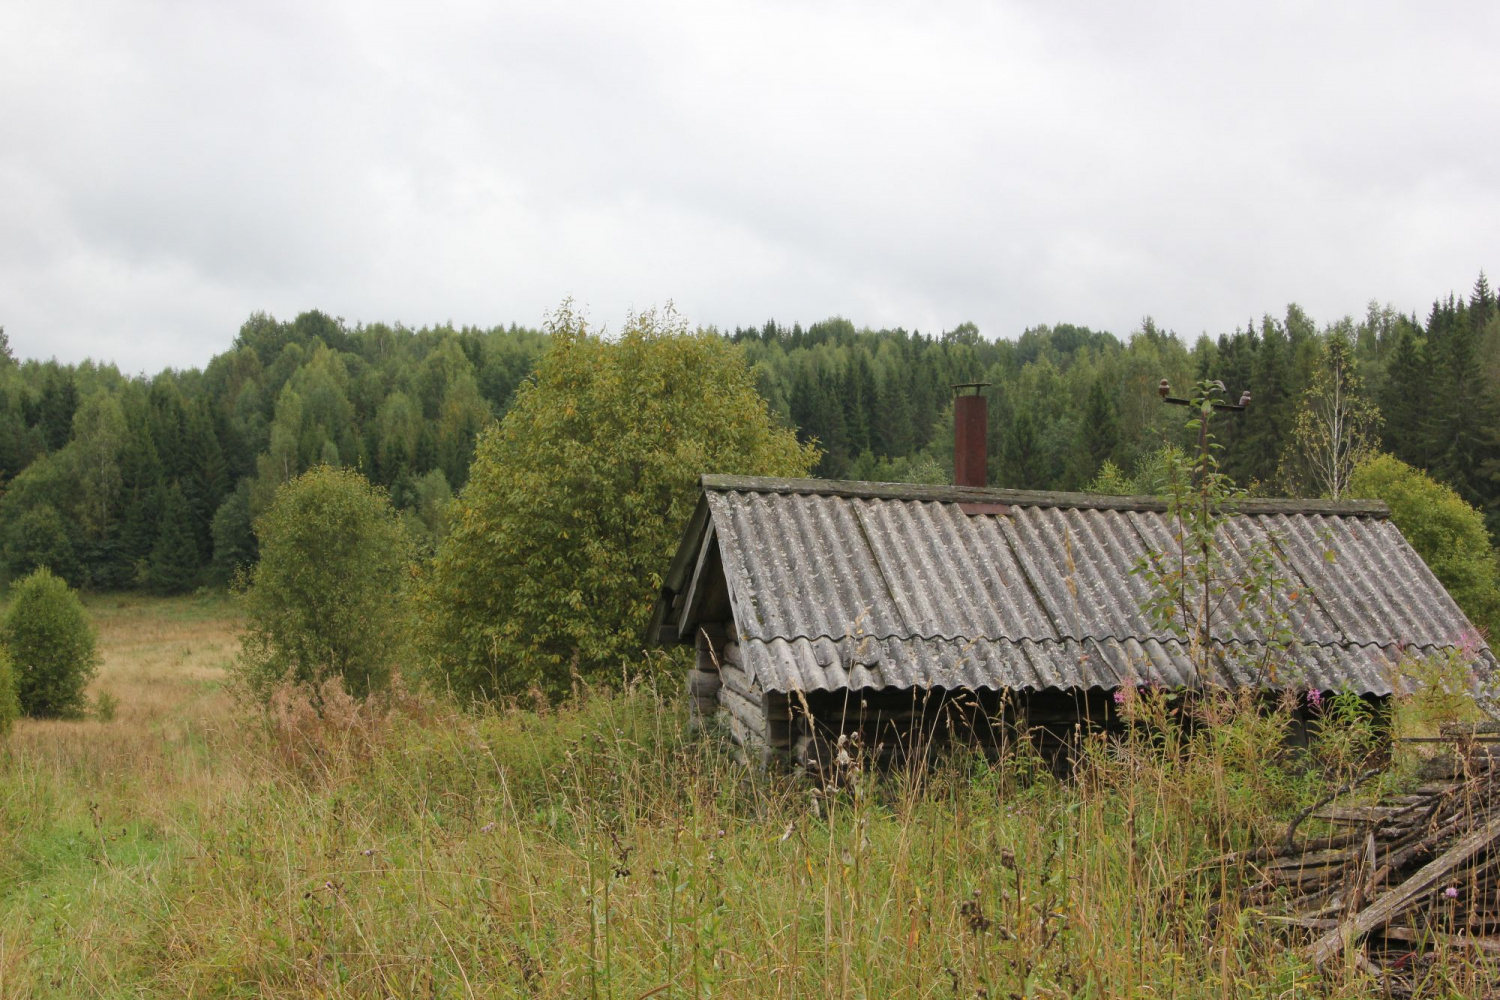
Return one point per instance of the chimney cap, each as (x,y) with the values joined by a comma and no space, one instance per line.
(976,386)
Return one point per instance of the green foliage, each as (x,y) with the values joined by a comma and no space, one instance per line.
(326,598)
(51,646)
(577,499)
(426,511)
(1447,533)
(1345,735)
(234,548)
(398,404)
(1111,481)
(174,559)
(1435,689)
(105,706)
(37,538)
(1155,474)
(1198,582)
(1336,427)
(10,702)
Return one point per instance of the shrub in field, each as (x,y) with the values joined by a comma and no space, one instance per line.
(51,646)
(326,598)
(575,502)
(1447,533)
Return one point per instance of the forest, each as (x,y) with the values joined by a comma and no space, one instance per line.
(122,482)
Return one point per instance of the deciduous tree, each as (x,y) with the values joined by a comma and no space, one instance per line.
(1447,533)
(576,501)
(326,598)
(1336,427)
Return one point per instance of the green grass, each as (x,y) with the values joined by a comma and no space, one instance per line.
(189,848)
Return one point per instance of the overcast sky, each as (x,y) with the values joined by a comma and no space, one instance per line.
(167,168)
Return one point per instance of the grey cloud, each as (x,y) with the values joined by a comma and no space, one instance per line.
(169,167)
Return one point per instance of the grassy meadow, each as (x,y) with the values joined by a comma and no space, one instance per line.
(190,847)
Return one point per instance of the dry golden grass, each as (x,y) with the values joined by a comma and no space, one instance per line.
(192,847)
(165,665)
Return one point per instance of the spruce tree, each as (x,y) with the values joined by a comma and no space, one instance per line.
(235,547)
(859,403)
(1481,302)
(174,560)
(58,404)
(894,433)
(1406,403)
(1023,452)
(141,496)
(1101,426)
(207,481)
(1465,410)
(168,422)
(1271,412)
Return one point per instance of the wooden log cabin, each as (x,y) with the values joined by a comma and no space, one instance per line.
(910,615)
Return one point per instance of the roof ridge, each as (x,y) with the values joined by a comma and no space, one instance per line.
(1062,640)
(1023,498)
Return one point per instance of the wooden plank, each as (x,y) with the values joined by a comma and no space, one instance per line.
(1489,945)
(1356,814)
(696,585)
(1312,859)
(661,632)
(731,654)
(1394,901)
(1024,498)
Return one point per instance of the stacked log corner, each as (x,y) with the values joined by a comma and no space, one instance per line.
(703,679)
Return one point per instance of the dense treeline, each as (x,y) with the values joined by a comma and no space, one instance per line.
(1065,400)
(120,482)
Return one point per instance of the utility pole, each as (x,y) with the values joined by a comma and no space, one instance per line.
(1207,407)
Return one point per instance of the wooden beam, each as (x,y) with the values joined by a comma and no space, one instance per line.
(1391,903)
(659,632)
(693,594)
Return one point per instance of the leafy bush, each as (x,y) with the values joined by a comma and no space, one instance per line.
(1447,533)
(325,600)
(575,502)
(51,645)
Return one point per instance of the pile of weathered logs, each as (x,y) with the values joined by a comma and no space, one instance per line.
(1390,885)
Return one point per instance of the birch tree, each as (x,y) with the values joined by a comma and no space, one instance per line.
(1337,426)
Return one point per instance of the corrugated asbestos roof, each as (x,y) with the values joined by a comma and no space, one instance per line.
(861,585)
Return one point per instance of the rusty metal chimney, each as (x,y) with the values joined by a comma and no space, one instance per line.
(971,420)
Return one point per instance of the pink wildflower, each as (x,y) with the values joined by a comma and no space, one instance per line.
(1120,696)
(1451,892)
(1314,698)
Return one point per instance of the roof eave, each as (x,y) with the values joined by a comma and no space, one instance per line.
(677,578)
